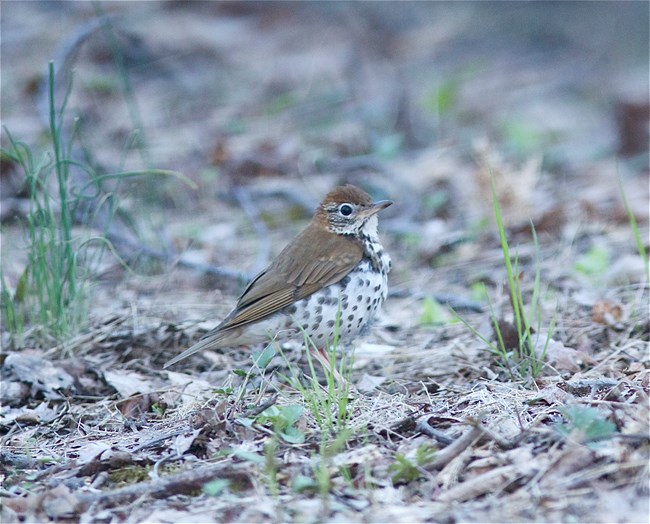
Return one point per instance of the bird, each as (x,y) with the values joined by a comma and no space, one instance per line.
(327,283)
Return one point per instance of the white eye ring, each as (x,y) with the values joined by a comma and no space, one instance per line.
(345,210)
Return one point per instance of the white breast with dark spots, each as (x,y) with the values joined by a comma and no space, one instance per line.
(354,300)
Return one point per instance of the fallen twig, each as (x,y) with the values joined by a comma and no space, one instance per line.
(446,455)
(423,426)
(484,483)
(179,483)
(256,410)
(497,439)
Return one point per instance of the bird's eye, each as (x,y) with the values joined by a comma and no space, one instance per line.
(345,210)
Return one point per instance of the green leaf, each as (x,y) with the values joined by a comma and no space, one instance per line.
(433,314)
(303,483)
(263,358)
(158,409)
(292,413)
(249,456)
(479,292)
(247,422)
(224,391)
(444,97)
(587,421)
(22,286)
(283,419)
(293,435)
(215,487)
(593,263)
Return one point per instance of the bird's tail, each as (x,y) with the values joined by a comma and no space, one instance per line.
(210,341)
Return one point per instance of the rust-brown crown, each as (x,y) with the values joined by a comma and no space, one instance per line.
(348,193)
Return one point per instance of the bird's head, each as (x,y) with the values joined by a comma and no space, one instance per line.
(348,210)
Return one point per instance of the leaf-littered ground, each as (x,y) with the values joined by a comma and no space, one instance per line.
(265,107)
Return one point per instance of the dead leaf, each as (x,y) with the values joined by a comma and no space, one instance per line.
(134,407)
(91,452)
(44,377)
(183,443)
(369,383)
(60,503)
(128,383)
(607,313)
(564,358)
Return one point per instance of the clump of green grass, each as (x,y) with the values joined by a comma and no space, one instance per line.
(640,245)
(50,292)
(405,470)
(528,352)
(326,400)
(527,320)
(327,403)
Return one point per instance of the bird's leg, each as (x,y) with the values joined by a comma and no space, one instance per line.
(321,355)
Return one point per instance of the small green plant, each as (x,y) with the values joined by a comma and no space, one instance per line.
(405,471)
(321,464)
(328,404)
(593,263)
(433,314)
(271,467)
(525,138)
(443,98)
(640,245)
(303,484)
(585,424)
(283,419)
(215,487)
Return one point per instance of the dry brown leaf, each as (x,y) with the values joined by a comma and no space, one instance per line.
(31,367)
(607,313)
(128,383)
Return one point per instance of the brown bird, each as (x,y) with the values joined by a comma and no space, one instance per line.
(335,268)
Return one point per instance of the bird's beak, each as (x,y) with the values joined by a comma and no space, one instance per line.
(376,207)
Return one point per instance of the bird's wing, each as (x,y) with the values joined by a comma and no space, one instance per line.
(300,270)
